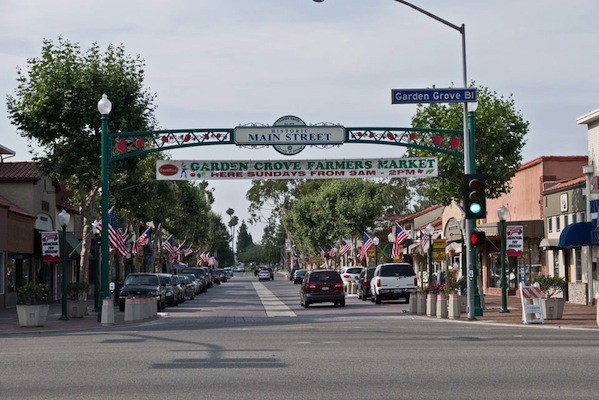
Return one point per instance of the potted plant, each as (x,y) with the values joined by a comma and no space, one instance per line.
(552,286)
(32,304)
(77,299)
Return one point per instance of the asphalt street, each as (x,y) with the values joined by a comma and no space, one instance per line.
(224,345)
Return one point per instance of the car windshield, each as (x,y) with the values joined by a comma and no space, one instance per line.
(325,276)
(397,270)
(356,270)
(144,280)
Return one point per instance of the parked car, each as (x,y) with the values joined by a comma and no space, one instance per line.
(263,275)
(239,268)
(178,289)
(209,278)
(292,273)
(167,282)
(322,286)
(188,286)
(228,272)
(364,283)
(200,274)
(298,276)
(392,281)
(142,285)
(195,282)
(350,274)
(221,274)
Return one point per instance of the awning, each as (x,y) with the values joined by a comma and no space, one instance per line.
(548,244)
(576,235)
(73,246)
(453,246)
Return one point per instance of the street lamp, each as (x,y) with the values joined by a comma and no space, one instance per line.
(469,160)
(502,214)
(104,107)
(376,250)
(63,220)
(428,231)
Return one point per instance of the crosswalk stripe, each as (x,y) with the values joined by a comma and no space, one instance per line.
(272,305)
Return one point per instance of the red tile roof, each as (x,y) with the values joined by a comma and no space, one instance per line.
(580,181)
(4,202)
(19,171)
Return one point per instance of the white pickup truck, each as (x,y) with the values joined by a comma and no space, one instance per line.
(392,281)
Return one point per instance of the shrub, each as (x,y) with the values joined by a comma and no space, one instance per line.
(551,285)
(33,294)
(77,290)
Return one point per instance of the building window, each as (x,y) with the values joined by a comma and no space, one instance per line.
(574,218)
(578,256)
(550,224)
(582,217)
(565,220)
(557,224)
(555,263)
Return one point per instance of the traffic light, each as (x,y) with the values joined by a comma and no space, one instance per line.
(475,205)
(477,238)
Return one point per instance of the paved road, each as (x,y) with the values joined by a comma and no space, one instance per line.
(224,345)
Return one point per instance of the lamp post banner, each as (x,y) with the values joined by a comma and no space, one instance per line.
(297,169)
(50,246)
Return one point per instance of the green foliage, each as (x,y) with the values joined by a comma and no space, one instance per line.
(499,138)
(551,285)
(77,290)
(33,294)
(244,239)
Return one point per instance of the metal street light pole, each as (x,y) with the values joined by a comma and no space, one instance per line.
(376,251)
(469,164)
(502,213)
(63,221)
(428,231)
(104,107)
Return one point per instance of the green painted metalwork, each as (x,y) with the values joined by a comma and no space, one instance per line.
(133,144)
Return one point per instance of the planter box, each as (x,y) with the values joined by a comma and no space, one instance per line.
(32,315)
(431,305)
(421,304)
(553,308)
(76,308)
(454,306)
(441,306)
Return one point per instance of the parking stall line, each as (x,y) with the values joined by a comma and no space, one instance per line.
(272,305)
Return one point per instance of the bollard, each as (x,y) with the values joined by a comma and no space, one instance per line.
(431,304)
(413,305)
(421,306)
(441,306)
(128,310)
(107,312)
(454,306)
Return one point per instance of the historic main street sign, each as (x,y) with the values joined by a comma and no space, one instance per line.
(297,169)
(449,95)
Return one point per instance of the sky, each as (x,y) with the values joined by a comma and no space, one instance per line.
(221,64)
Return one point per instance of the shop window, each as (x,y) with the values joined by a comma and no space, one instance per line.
(578,256)
(574,218)
(557,224)
(555,263)
(550,224)
(565,219)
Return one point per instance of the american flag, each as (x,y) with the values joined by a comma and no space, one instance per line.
(343,247)
(141,241)
(400,236)
(323,254)
(169,246)
(187,251)
(205,256)
(332,252)
(424,243)
(367,243)
(114,234)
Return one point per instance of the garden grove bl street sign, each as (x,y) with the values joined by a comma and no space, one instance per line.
(450,95)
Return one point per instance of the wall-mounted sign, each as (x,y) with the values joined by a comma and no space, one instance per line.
(563,202)
(297,169)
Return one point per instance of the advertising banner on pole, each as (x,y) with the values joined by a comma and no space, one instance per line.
(50,246)
(297,169)
(514,235)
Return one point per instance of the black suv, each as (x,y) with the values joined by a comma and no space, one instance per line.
(364,283)
(143,285)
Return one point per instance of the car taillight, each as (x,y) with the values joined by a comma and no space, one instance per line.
(346,276)
(338,284)
(311,286)
(378,282)
(365,282)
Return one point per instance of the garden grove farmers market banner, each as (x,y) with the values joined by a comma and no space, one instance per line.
(297,169)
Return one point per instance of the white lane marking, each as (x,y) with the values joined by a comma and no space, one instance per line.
(272,305)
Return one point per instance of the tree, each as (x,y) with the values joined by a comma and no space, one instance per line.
(244,239)
(55,108)
(499,138)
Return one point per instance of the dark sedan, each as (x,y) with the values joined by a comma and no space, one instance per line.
(142,285)
(298,276)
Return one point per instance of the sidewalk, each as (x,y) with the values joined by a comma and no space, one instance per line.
(575,316)
(9,322)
